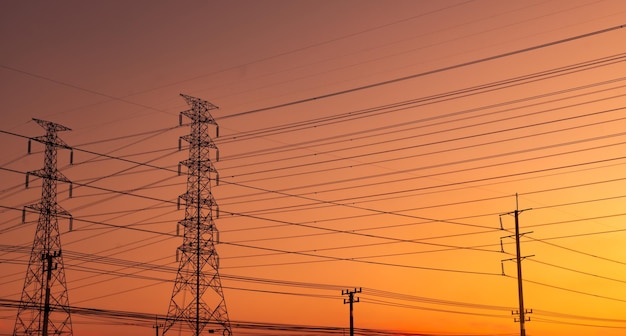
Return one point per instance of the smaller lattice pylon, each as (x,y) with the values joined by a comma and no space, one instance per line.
(44,305)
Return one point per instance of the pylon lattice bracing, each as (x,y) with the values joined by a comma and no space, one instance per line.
(44,306)
(197,302)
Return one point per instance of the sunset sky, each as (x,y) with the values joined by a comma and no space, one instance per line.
(362,144)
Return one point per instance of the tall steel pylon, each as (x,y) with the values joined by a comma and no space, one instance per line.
(44,307)
(197,302)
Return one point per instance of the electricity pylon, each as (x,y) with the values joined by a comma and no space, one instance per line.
(197,301)
(522,312)
(44,307)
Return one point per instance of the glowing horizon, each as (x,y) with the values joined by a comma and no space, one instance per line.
(361,145)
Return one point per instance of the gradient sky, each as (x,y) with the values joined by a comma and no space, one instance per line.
(369,143)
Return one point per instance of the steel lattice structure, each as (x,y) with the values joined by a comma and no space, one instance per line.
(44,307)
(197,302)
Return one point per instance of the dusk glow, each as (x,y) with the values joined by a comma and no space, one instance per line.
(371,150)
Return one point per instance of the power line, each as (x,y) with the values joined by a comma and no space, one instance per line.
(365,261)
(522,127)
(429,100)
(430,72)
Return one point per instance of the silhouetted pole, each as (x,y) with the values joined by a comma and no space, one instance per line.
(520,288)
(351,301)
(156,325)
(47,259)
(518,258)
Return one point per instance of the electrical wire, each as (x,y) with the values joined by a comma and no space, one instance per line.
(430,72)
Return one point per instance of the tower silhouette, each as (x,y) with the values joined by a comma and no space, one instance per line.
(44,306)
(197,302)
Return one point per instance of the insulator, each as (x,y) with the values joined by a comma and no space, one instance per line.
(71,188)
(180,144)
(71,223)
(217,179)
(217,131)
(24,215)
(501,226)
(180,123)
(27,176)
(71,157)
(217,155)
(29,146)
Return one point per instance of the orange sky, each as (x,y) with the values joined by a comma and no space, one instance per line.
(396,188)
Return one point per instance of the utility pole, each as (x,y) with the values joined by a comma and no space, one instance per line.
(44,305)
(351,301)
(197,298)
(518,259)
(156,325)
(48,268)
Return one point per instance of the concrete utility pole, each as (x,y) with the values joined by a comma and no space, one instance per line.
(351,301)
(518,259)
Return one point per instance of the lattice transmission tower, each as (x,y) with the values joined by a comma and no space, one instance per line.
(197,302)
(44,307)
